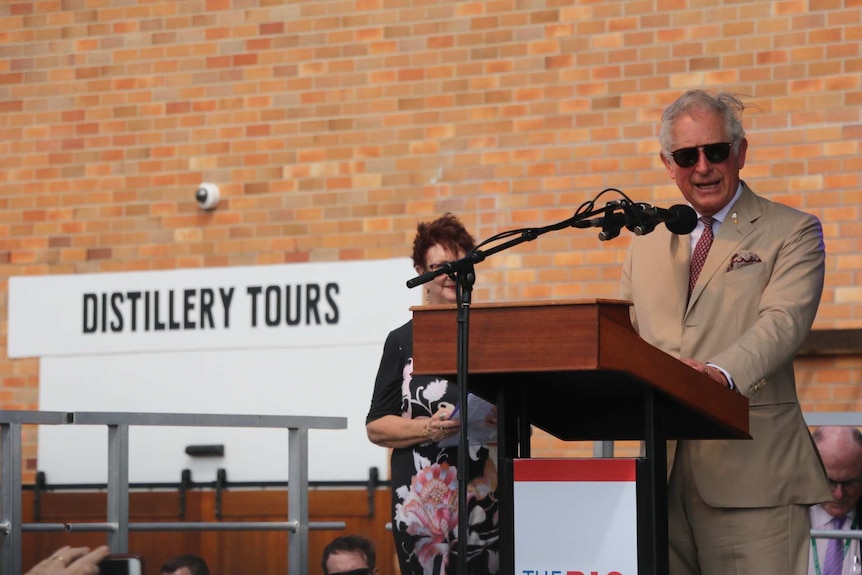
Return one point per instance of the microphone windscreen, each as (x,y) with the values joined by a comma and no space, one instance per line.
(683,221)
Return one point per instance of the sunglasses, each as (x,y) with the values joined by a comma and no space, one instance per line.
(715,154)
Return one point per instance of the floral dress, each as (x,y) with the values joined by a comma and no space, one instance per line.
(424,476)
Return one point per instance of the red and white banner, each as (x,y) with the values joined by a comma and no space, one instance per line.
(575,517)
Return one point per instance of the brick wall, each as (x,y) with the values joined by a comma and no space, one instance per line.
(333,126)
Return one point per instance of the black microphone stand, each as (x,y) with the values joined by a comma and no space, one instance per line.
(463,291)
(463,272)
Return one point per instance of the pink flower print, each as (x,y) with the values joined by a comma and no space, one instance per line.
(430,511)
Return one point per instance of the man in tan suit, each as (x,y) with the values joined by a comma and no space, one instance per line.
(734,506)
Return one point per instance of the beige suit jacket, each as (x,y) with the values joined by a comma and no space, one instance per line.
(749,317)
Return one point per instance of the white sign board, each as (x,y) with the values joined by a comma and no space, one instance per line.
(295,339)
(575,517)
(251,307)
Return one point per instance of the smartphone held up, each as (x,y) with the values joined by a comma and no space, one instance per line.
(121,565)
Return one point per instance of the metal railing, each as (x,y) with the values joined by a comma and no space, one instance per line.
(117,524)
(819,418)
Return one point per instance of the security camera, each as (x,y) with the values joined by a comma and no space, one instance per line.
(207,196)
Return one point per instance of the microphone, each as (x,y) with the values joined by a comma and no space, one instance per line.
(612,219)
(642,219)
(611,225)
(678,219)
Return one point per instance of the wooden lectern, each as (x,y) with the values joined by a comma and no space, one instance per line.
(579,371)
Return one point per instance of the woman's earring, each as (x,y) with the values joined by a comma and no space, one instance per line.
(427,296)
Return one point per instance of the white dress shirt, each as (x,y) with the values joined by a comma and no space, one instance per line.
(820,520)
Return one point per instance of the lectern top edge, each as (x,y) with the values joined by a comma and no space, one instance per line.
(531,303)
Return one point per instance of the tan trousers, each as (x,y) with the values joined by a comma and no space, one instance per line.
(707,540)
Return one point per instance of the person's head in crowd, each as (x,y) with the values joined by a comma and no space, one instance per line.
(841,451)
(187,564)
(703,147)
(436,243)
(349,555)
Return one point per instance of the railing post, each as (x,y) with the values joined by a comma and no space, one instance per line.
(118,487)
(10,500)
(297,500)
(603,449)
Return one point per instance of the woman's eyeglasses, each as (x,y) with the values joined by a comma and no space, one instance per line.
(715,154)
(435,267)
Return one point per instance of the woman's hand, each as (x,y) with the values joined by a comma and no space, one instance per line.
(439,426)
(399,432)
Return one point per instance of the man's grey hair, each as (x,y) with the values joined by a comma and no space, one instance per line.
(724,104)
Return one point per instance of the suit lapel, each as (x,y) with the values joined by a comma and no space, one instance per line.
(680,252)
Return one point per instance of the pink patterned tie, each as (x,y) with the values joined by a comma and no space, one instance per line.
(834,560)
(698,256)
